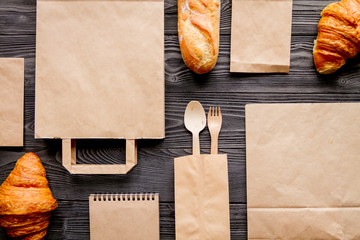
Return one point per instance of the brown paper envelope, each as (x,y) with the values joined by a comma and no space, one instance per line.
(12,101)
(304,223)
(124,216)
(261,36)
(303,164)
(202,197)
(100,69)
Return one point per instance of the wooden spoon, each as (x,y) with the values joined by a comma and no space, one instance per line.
(195,121)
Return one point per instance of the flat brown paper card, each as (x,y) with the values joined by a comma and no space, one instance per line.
(124,216)
(303,164)
(261,36)
(100,69)
(202,197)
(11,101)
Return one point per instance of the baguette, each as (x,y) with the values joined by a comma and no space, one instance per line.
(198,28)
(338,36)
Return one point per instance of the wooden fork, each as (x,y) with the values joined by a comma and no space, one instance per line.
(214,125)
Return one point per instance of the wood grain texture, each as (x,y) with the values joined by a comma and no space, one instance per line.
(154,172)
(71,219)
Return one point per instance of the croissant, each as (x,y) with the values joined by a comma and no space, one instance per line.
(338,36)
(26,200)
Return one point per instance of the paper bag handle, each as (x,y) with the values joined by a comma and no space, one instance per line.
(69,160)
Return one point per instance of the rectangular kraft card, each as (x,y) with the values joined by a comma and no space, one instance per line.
(11,101)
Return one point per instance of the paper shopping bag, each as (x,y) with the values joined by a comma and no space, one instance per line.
(261,36)
(303,164)
(202,197)
(11,101)
(99,72)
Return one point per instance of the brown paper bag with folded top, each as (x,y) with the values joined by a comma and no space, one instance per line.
(202,197)
(11,101)
(124,216)
(303,164)
(261,36)
(99,74)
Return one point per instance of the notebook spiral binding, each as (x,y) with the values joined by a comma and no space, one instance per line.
(124,197)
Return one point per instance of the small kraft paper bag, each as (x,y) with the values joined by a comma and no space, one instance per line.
(202,197)
(11,101)
(100,74)
(303,164)
(261,36)
(124,216)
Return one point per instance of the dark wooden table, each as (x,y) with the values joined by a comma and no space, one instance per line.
(154,172)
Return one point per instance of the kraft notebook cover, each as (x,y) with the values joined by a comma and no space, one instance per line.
(124,216)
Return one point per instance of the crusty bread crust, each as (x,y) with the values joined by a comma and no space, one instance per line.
(338,36)
(198,28)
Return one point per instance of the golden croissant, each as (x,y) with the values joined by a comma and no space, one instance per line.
(338,35)
(26,200)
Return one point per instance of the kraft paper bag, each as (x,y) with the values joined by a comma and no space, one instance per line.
(202,197)
(99,74)
(100,69)
(124,216)
(261,36)
(303,164)
(11,101)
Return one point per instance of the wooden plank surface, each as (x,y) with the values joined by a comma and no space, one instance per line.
(154,172)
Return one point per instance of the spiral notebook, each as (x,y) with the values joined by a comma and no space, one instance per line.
(124,216)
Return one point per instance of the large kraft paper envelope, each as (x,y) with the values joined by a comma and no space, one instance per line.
(11,101)
(261,36)
(99,70)
(303,165)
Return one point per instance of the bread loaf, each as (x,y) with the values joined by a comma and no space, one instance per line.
(198,28)
(338,36)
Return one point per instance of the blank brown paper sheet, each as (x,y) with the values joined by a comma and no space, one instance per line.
(11,101)
(303,165)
